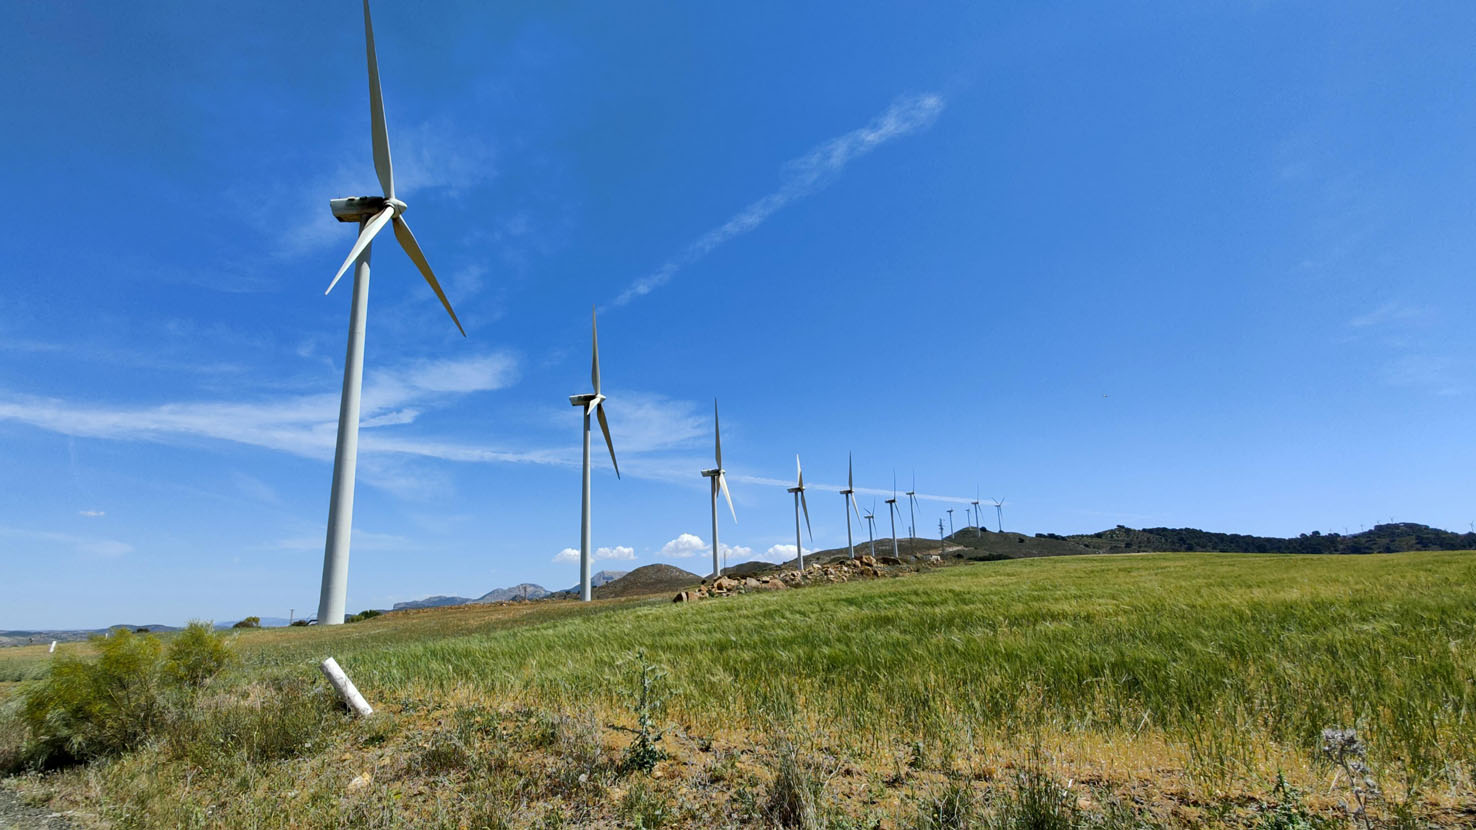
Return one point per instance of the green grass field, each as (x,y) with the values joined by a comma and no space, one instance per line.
(1182,683)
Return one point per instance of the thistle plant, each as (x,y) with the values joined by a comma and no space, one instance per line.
(649,701)
(1343,748)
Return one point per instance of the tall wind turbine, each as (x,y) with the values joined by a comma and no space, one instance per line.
(892,511)
(850,494)
(719,481)
(371,213)
(999,513)
(977,518)
(912,507)
(593,404)
(799,502)
(871,527)
(950,521)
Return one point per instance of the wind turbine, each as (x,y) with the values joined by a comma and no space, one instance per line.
(871,527)
(850,494)
(950,521)
(799,502)
(892,511)
(719,482)
(911,507)
(999,513)
(593,404)
(372,213)
(977,518)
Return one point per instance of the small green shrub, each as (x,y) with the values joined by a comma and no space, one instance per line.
(642,808)
(1037,802)
(249,622)
(283,719)
(296,623)
(795,793)
(1288,812)
(197,654)
(87,709)
(363,615)
(950,807)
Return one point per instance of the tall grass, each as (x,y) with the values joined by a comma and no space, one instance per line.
(1226,667)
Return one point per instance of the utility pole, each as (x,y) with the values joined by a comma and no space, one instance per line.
(940,538)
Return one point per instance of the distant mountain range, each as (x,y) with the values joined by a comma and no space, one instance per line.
(526,590)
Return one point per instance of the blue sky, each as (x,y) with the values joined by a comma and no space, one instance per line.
(1151,263)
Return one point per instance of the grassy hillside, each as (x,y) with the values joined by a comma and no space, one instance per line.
(1179,683)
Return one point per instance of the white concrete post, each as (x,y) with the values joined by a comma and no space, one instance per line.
(345,687)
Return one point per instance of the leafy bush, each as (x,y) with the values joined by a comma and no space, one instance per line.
(86,709)
(197,654)
(368,614)
(282,720)
(249,622)
(298,622)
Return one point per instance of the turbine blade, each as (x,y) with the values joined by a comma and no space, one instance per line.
(717,434)
(854,508)
(378,133)
(407,241)
(850,481)
(594,372)
(806,508)
(371,228)
(723,483)
(605,428)
(799,473)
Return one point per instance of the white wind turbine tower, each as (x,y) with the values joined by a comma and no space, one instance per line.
(912,507)
(372,213)
(593,404)
(871,528)
(850,494)
(977,518)
(799,502)
(999,513)
(892,511)
(719,482)
(950,521)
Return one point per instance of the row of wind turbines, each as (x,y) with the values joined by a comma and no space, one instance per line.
(372,214)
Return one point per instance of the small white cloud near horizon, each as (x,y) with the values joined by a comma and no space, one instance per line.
(91,514)
(688,545)
(801,177)
(779,553)
(683,547)
(568,555)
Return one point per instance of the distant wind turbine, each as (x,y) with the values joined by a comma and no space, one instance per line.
(912,508)
(871,527)
(978,519)
(799,502)
(372,213)
(719,482)
(850,494)
(950,521)
(999,513)
(892,511)
(593,404)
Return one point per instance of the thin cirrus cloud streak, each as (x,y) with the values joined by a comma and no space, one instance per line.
(802,177)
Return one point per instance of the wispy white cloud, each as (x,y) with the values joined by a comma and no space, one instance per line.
(801,177)
(302,424)
(90,545)
(91,514)
(1392,313)
(1412,354)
